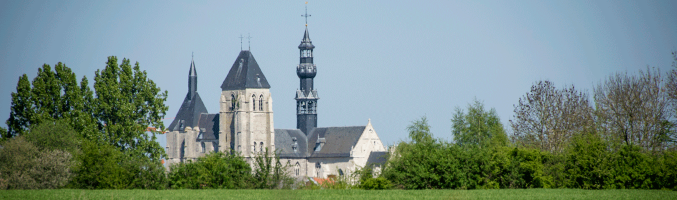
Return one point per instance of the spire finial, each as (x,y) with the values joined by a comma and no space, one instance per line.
(241,42)
(306,15)
(249,41)
(192,55)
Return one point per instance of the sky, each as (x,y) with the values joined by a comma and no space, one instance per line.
(389,61)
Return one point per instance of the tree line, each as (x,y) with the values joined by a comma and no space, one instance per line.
(624,138)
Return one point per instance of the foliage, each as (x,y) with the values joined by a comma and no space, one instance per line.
(671,87)
(127,102)
(547,117)
(53,135)
(214,170)
(52,95)
(24,166)
(340,194)
(100,166)
(379,183)
(269,173)
(633,110)
(478,126)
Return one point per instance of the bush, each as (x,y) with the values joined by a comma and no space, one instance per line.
(24,166)
(214,170)
(379,183)
(100,166)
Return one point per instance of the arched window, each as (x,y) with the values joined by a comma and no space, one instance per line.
(261,147)
(253,102)
(254,147)
(203,147)
(297,168)
(261,103)
(232,102)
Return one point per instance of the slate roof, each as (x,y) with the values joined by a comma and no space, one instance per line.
(284,142)
(377,157)
(245,73)
(189,112)
(338,140)
(209,126)
(305,42)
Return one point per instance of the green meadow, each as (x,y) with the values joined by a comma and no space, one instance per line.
(340,194)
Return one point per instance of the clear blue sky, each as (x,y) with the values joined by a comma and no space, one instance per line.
(391,61)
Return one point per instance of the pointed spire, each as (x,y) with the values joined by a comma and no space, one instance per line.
(306,43)
(192,79)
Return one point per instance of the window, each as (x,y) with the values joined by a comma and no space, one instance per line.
(232,102)
(254,147)
(261,146)
(253,102)
(203,147)
(297,168)
(261,103)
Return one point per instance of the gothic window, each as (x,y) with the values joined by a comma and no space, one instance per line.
(261,103)
(318,167)
(261,146)
(238,147)
(253,102)
(340,172)
(232,102)
(297,168)
(203,147)
(254,147)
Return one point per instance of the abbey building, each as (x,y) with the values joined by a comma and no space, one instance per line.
(245,124)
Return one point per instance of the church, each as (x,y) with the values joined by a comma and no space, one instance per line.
(244,124)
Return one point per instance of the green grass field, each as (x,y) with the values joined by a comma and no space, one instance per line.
(339,194)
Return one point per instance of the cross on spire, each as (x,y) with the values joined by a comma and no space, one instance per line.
(249,41)
(241,42)
(306,15)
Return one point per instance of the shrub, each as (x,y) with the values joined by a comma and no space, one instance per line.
(379,183)
(24,166)
(214,170)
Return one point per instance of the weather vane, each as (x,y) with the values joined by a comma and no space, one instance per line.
(306,15)
(249,41)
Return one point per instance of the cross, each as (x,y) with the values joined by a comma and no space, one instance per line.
(241,42)
(192,54)
(306,15)
(249,41)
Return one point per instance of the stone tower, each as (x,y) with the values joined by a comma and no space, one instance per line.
(246,108)
(306,96)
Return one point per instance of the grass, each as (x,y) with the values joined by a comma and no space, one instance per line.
(340,194)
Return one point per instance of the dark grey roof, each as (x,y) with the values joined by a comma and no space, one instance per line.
(305,42)
(338,140)
(209,126)
(377,157)
(284,142)
(189,112)
(245,73)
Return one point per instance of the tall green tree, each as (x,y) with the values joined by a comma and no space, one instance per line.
(53,94)
(478,126)
(127,103)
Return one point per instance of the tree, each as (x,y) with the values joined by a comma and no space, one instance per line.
(477,127)
(52,95)
(547,117)
(127,102)
(634,110)
(269,173)
(671,87)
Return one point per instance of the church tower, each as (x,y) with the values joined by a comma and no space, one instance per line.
(246,114)
(306,96)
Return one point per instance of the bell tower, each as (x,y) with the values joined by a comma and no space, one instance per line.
(306,96)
